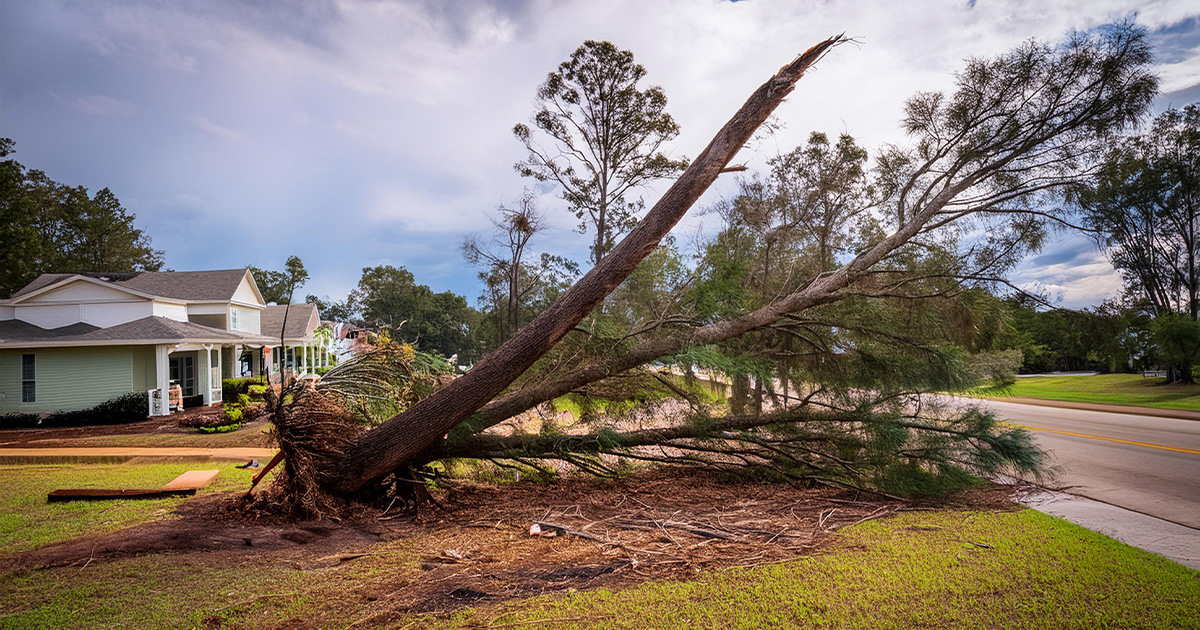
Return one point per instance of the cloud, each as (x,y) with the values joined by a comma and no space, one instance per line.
(380,131)
(1073,273)
(100,105)
(1181,75)
(209,126)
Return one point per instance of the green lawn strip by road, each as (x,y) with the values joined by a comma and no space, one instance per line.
(253,434)
(917,570)
(1108,389)
(27,521)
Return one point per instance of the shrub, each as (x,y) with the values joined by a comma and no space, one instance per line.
(224,428)
(233,414)
(257,392)
(123,409)
(232,387)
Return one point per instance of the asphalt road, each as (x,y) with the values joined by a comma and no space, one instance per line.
(1149,465)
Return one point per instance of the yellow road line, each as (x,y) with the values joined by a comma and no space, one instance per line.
(1108,439)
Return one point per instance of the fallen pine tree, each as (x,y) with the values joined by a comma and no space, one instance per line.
(840,353)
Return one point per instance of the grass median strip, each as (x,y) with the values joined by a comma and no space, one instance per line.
(1108,389)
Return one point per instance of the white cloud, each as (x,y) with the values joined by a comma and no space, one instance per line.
(1181,75)
(397,115)
(204,124)
(100,105)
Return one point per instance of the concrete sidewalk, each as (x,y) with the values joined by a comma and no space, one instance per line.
(237,453)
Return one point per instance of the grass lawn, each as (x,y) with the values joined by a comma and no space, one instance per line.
(927,569)
(1110,389)
(917,570)
(27,521)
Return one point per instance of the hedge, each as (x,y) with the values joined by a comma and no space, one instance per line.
(131,407)
(232,387)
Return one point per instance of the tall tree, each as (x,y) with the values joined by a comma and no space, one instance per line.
(605,138)
(49,227)
(1145,207)
(517,285)
(278,286)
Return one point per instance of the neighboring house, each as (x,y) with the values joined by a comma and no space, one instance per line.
(73,340)
(347,340)
(301,350)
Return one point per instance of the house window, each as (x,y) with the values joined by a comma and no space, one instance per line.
(28,385)
(233,315)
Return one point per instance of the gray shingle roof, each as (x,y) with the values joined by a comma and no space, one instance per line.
(144,330)
(197,286)
(271,321)
(17,330)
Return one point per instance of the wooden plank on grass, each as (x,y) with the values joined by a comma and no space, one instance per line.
(184,485)
(192,480)
(105,494)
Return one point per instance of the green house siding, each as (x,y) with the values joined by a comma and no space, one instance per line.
(144,375)
(71,378)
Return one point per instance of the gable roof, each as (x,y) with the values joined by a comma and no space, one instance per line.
(270,322)
(191,286)
(147,330)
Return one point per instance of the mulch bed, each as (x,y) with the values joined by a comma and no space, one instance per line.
(478,548)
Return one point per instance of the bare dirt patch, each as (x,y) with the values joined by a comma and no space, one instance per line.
(177,427)
(479,549)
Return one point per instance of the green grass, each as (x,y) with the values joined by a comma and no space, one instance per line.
(914,571)
(27,521)
(1108,389)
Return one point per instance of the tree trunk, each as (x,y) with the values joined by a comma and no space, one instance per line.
(382,450)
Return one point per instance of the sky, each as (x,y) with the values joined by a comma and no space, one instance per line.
(355,133)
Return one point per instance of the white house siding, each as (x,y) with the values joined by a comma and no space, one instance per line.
(177,312)
(67,378)
(84,291)
(113,313)
(50,315)
(245,319)
(245,293)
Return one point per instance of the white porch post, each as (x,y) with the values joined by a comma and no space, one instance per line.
(206,375)
(162,379)
(220,370)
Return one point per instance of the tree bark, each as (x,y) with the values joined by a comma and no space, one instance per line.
(383,449)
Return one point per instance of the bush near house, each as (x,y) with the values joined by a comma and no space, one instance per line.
(123,409)
(231,388)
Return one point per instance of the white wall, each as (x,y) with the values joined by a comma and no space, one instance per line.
(245,293)
(246,319)
(111,314)
(49,315)
(177,312)
(6,312)
(84,291)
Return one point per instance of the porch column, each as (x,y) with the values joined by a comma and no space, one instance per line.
(220,370)
(162,378)
(205,380)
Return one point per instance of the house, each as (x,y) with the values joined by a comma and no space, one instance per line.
(73,340)
(299,342)
(347,340)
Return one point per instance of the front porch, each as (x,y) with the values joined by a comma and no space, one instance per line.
(193,373)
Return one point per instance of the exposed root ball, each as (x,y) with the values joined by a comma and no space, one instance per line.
(312,431)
